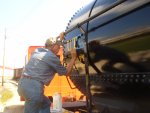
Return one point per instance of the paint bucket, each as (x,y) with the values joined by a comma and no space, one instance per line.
(57,102)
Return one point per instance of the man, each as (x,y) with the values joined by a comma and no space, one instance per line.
(39,71)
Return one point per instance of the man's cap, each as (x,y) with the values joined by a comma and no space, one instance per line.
(50,41)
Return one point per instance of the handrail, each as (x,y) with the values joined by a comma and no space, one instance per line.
(94,16)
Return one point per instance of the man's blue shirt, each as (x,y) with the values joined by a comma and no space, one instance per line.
(42,66)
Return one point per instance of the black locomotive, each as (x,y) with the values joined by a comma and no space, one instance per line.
(112,38)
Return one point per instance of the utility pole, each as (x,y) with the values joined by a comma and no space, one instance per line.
(3,72)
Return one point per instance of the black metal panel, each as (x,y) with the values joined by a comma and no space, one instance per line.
(130,22)
(118,54)
(123,19)
(78,17)
(121,43)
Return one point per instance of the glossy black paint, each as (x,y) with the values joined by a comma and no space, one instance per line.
(122,33)
(117,46)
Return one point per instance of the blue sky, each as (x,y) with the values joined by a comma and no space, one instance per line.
(31,22)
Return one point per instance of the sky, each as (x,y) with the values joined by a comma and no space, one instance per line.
(30,22)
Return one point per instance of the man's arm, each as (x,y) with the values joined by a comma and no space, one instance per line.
(72,62)
(73,56)
(61,36)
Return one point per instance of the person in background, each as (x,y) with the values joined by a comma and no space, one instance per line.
(38,72)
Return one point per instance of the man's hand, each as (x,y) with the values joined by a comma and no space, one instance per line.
(61,36)
(72,62)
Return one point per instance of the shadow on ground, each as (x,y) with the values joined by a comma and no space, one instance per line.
(14,109)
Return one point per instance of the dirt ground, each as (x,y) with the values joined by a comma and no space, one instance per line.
(13,105)
(13,109)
